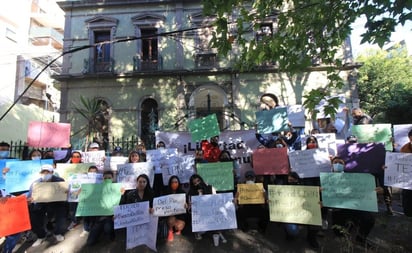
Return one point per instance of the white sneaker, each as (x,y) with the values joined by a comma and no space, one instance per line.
(59,238)
(38,242)
(84,233)
(222,237)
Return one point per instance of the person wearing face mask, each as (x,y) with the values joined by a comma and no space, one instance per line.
(175,223)
(39,211)
(357,221)
(158,185)
(252,215)
(292,230)
(76,157)
(226,157)
(141,150)
(35,154)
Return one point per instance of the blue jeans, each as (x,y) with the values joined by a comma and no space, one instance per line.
(11,241)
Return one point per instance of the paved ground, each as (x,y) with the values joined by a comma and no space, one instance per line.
(390,234)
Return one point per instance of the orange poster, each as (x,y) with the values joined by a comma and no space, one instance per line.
(270,161)
(14,213)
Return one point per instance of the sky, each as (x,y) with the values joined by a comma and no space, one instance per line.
(401,33)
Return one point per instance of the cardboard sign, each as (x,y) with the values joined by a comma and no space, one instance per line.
(15,216)
(270,161)
(48,134)
(363,157)
(144,234)
(204,128)
(98,199)
(379,133)
(131,214)
(349,190)
(219,175)
(168,205)
(398,172)
(251,194)
(310,162)
(50,191)
(213,212)
(294,204)
(128,173)
(270,121)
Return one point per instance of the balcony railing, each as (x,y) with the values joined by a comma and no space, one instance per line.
(91,66)
(147,65)
(41,36)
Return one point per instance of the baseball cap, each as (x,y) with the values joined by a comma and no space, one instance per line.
(94,145)
(47,167)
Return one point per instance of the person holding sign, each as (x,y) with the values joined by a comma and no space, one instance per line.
(211,150)
(39,211)
(175,223)
(143,192)
(407,194)
(11,240)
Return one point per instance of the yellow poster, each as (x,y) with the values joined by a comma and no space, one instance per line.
(251,194)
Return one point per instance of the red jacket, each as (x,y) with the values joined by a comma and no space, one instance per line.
(211,153)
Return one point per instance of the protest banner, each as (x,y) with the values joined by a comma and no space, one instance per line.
(213,212)
(127,173)
(274,120)
(239,143)
(111,162)
(50,191)
(270,161)
(219,175)
(169,163)
(23,173)
(204,128)
(309,162)
(171,204)
(98,199)
(398,172)
(400,134)
(76,181)
(95,157)
(65,170)
(349,190)
(131,214)
(48,134)
(363,157)
(296,115)
(14,213)
(144,234)
(294,204)
(379,133)
(2,176)
(251,194)
(325,141)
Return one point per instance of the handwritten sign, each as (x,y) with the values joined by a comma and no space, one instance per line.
(131,214)
(128,173)
(111,163)
(251,194)
(165,161)
(144,234)
(204,128)
(168,205)
(98,199)
(76,181)
(23,173)
(275,120)
(3,177)
(349,190)
(49,191)
(296,115)
(294,204)
(325,141)
(400,134)
(381,133)
(270,161)
(398,172)
(184,169)
(95,157)
(213,212)
(219,175)
(15,216)
(65,170)
(48,134)
(310,162)
(363,157)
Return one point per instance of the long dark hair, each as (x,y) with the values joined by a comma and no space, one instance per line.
(169,188)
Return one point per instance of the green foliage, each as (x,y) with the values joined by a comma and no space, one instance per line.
(91,110)
(385,85)
(304,30)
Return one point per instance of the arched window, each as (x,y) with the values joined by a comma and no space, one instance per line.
(149,122)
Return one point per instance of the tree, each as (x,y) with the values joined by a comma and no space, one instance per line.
(305,31)
(385,85)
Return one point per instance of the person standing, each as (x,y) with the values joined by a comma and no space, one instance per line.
(361,118)
(407,194)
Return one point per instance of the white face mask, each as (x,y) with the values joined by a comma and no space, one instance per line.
(250,182)
(46,177)
(4,154)
(338,167)
(279,145)
(36,157)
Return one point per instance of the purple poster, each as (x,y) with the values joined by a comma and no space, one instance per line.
(363,157)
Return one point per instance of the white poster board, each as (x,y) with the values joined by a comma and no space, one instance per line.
(168,205)
(398,172)
(310,162)
(128,173)
(144,234)
(131,214)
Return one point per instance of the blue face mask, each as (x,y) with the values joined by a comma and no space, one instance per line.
(338,167)
(4,154)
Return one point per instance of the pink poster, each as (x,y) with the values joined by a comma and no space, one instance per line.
(270,161)
(48,135)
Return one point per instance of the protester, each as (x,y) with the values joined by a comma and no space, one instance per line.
(158,185)
(292,230)
(88,221)
(211,150)
(406,193)
(143,192)
(141,150)
(361,118)
(76,157)
(134,157)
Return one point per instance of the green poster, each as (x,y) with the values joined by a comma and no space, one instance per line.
(204,128)
(374,133)
(270,121)
(294,204)
(219,175)
(349,190)
(65,170)
(98,199)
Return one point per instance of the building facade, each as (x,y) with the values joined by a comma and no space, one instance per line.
(151,65)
